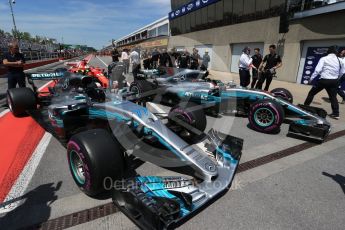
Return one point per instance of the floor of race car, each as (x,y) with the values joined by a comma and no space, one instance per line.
(305,190)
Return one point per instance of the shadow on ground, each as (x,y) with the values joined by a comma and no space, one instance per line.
(337,178)
(33,207)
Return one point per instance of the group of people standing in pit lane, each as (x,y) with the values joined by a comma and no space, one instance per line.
(263,69)
(162,58)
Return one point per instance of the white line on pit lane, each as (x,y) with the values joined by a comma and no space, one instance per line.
(3,113)
(27,173)
(25,176)
(106,65)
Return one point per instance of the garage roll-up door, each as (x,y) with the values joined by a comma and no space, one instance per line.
(236,51)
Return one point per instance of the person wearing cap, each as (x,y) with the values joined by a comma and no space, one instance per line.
(329,69)
(14,61)
(244,65)
(205,60)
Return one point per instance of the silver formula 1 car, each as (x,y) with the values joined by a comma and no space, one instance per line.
(107,135)
(266,111)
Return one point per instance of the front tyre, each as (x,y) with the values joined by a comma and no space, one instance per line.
(266,116)
(20,100)
(96,160)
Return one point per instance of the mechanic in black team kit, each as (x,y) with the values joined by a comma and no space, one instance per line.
(268,66)
(257,59)
(14,61)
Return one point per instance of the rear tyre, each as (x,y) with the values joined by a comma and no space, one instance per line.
(283,94)
(141,87)
(96,160)
(266,116)
(20,100)
(190,113)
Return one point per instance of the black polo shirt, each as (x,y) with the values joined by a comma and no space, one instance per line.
(272,60)
(13,58)
(257,59)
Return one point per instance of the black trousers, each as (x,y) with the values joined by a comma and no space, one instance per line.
(16,78)
(255,76)
(331,86)
(265,76)
(244,77)
(135,70)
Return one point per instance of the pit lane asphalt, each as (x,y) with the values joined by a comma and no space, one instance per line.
(294,192)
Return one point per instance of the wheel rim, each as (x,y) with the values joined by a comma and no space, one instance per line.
(264,117)
(77,166)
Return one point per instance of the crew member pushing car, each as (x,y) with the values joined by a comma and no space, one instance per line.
(14,61)
(268,67)
(244,65)
(329,69)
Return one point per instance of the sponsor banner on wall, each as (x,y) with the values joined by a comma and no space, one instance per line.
(314,54)
(190,7)
(157,43)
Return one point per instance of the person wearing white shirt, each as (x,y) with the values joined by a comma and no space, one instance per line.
(328,69)
(125,60)
(341,91)
(135,60)
(244,65)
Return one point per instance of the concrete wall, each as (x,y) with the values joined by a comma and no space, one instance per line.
(321,27)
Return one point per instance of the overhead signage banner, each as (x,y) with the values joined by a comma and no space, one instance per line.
(190,7)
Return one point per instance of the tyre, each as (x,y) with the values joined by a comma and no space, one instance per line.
(96,160)
(283,94)
(20,100)
(266,116)
(141,87)
(189,113)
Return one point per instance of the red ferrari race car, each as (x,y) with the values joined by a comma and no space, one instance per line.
(82,67)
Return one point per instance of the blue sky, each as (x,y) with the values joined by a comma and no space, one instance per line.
(93,23)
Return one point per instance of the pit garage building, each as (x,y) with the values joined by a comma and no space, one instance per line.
(225,27)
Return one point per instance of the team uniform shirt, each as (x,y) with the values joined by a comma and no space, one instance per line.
(184,61)
(271,60)
(257,59)
(134,56)
(124,56)
(245,61)
(13,58)
(329,67)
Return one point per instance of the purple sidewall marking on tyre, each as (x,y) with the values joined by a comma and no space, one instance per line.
(82,157)
(273,126)
(181,111)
